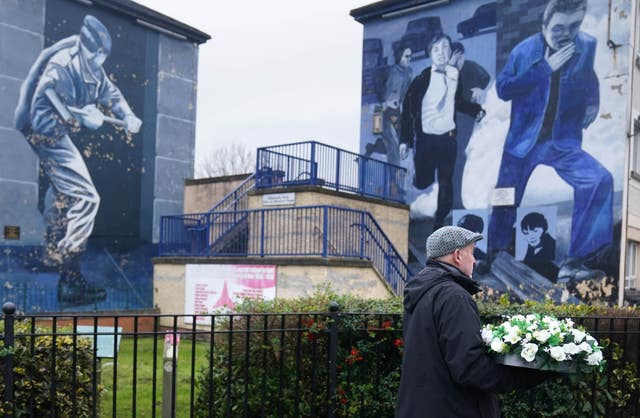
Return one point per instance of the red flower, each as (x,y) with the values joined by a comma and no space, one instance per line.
(386,324)
(354,352)
(344,400)
(398,342)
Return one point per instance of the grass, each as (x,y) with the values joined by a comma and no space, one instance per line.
(144,378)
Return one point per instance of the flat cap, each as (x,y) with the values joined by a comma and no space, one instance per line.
(448,239)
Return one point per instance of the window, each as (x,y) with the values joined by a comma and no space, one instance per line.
(631,271)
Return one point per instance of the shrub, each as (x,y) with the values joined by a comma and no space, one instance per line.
(33,373)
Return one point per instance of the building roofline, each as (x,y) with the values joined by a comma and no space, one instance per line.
(389,8)
(151,19)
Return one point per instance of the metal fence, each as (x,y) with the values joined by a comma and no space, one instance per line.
(328,364)
(323,231)
(313,163)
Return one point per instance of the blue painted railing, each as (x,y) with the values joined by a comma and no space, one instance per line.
(237,198)
(317,164)
(323,231)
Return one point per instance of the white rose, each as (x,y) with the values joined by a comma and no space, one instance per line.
(584,346)
(557,353)
(571,348)
(528,336)
(487,336)
(542,335)
(595,358)
(531,317)
(578,335)
(497,345)
(529,352)
(518,317)
(532,327)
(511,338)
(569,322)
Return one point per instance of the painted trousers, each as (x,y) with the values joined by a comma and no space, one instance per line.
(592,219)
(72,200)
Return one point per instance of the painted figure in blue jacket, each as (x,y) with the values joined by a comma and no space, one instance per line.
(553,89)
(60,95)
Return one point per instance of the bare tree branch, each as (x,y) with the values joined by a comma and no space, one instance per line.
(235,158)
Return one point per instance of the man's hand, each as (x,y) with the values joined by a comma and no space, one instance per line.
(590,114)
(477,95)
(403,151)
(560,57)
(132,123)
(481,114)
(90,116)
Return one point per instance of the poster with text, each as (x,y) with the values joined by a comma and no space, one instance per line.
(217,288)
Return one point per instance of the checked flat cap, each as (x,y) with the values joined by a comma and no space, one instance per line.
(448,239)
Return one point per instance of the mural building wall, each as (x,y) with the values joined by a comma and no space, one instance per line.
(97,128)
(509,117)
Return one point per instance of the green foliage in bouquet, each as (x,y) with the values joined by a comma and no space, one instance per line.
(33,373)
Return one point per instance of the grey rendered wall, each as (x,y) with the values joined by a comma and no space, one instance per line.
(175,126)
(21,40)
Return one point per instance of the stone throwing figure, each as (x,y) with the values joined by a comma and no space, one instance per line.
(60,95)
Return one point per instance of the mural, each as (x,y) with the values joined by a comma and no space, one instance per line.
(61,94)
(512,125)
(76,218)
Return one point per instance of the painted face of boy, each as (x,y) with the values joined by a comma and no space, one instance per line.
(562,28)
(533,235)
(440,53)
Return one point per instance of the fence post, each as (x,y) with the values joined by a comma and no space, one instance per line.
(325,230)
(333,357)
(338,171)
(169,363)
(314,164)
(9,310)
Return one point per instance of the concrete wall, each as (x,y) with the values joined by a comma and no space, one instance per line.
(175,124)
(392,218)
(292,281)
(21,40)
(200,195)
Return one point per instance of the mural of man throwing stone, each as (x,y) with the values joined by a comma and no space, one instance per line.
(63,92)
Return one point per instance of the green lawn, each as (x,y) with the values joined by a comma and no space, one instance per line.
(144,378)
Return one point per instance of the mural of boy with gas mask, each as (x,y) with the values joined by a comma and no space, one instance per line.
(61,95)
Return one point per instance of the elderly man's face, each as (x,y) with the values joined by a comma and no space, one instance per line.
(440,52)
(465,260)
(562,28)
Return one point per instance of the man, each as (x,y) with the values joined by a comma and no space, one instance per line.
(446,371)
(427,123)
(395,89)
(61,93)
(550,81)
(474,82)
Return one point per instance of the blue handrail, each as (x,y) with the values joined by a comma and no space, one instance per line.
(323,231)
(314,163)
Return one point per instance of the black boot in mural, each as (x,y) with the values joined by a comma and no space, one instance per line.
(73,287)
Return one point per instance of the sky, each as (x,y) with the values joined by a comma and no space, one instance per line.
(274,72)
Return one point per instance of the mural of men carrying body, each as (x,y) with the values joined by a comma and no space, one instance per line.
(554,95)
(428,124)
(60,94)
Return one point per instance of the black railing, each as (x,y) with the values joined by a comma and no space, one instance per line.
(329,364)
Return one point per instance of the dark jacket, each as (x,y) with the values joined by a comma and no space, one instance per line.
(446,371)
(525,80)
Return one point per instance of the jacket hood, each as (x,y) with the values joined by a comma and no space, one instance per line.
(435,273)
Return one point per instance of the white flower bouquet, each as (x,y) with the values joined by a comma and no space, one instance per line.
(543,342)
